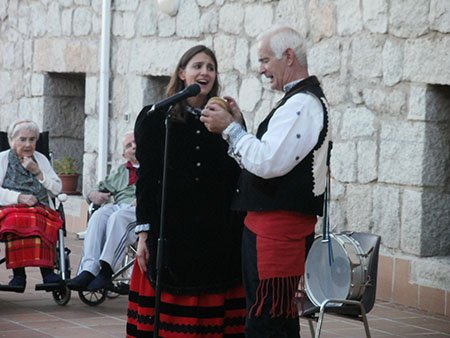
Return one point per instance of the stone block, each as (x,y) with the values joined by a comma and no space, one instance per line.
(357,122)
(367,166)
(147,18)
(321,19)
(389,101)
(231,17)
(54,19)
(426,60)
(337,217)
(224,47)
(257,19)
(364,49)
(392,62)
(435,220)
(188,18)
(249,93)
(209,22)
(37,84)
(440,15)
(411,218)
(6,95)
(241,56)
(77,56)
(417,102)
(349,17)
(334,89)
(375,15)
(343,161)
(402,154)
(205,3)
(82,21)
(90,135)
(66,21)
(386,215)
(91,92)
(126,5)
(358,207)
(409,18)
(166,25)
(324,57)
(293,13)
(230,85)
(432,272)
(89,171)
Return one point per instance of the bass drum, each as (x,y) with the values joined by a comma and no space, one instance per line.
(347,275)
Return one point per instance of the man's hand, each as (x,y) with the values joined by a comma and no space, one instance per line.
(216,118)
(142,253)
(99,198)
(27,199)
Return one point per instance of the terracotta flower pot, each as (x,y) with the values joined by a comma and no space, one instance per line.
(69,183)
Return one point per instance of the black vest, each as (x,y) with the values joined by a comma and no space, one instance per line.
(294,190)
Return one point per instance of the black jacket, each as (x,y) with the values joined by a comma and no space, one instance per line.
(203,235)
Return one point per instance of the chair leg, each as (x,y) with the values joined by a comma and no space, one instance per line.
(364,318)
(311,327)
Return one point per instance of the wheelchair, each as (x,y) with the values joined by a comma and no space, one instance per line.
(61,293)
(120,278)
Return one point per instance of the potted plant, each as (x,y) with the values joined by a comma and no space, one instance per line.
(67,172)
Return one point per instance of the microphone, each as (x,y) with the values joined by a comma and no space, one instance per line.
(191,90)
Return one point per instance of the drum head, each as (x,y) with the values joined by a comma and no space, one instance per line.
(324,280)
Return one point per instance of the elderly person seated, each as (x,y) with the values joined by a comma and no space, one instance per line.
(28,224)
(111,228)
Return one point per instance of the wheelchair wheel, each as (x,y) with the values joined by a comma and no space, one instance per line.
(92,298)
(62,296)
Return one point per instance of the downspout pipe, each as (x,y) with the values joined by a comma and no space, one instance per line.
(103,113)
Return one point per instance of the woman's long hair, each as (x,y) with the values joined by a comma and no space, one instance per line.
(176,84)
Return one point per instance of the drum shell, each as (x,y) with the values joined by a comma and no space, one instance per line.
(345,278)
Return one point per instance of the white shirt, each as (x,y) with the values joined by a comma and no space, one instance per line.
(292,133)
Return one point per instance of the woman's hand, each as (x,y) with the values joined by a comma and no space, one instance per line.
(142,253)
(30,165)
(27,199)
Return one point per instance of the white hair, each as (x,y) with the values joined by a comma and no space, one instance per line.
(20,125)
(282,38)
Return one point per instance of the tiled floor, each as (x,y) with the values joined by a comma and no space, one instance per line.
(34,314)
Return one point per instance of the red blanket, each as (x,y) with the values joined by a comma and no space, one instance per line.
(30,234)
(25,221)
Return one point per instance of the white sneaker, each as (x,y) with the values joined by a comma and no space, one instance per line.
(81,234)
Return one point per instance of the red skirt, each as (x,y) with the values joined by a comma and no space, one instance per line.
(184,316)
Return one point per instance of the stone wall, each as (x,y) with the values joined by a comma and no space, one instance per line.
(384,65)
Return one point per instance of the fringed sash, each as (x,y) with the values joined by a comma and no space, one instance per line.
(280,250)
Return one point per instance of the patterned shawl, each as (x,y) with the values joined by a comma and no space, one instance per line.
(19,179)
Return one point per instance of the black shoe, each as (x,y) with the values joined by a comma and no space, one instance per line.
(18,283)
(51,278)
(100,282)
(80,282)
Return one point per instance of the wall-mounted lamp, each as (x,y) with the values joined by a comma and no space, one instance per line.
(169,7)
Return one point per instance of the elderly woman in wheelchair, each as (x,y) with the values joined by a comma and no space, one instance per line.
(28,222)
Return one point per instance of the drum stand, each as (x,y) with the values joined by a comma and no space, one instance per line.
(366,247)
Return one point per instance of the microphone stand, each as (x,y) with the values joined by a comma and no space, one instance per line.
(160,253)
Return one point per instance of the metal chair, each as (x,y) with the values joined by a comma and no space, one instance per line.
(315,307)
